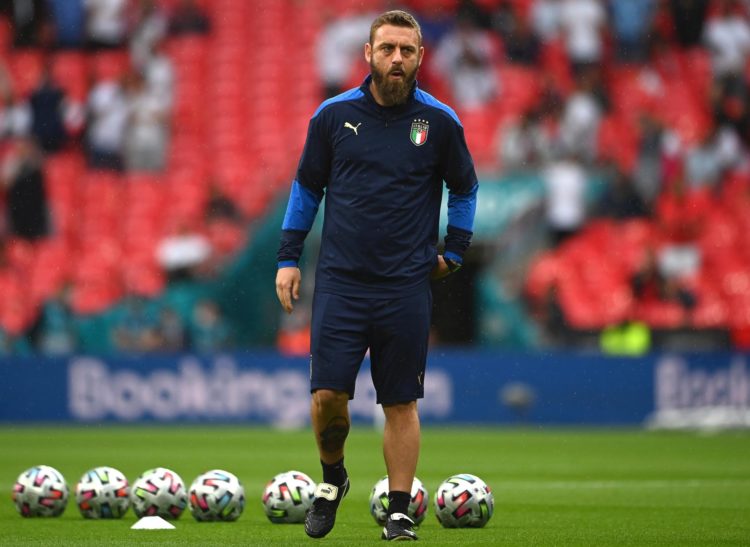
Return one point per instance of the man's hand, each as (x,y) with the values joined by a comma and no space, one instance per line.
(440,270)
(287,286)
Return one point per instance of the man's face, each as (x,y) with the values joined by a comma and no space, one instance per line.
(394,57)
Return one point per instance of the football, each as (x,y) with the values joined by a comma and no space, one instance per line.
(217,495)
(103,493)
(40,491)
(379,501)
(464,501)
(287,497)
(159,492)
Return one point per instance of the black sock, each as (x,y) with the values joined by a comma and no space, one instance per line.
(334,473)
(398,502)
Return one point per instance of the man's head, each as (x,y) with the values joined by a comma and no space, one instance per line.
(394,52)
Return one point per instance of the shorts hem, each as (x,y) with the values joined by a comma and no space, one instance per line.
(316,387)
(398,400)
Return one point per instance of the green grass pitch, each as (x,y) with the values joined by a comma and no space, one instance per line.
(552,486)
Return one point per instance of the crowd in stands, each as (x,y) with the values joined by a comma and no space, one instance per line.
(649,96)
(87,108)
(652,96)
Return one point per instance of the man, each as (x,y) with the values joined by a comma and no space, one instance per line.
(379,153)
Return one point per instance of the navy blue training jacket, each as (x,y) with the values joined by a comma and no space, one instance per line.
(381,170)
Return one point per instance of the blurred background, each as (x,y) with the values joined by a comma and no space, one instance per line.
(147,148)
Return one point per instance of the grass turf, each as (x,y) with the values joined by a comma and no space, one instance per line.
(551,486)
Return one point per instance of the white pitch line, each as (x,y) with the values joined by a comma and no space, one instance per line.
(603,485)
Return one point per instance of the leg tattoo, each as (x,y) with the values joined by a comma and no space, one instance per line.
(334,434)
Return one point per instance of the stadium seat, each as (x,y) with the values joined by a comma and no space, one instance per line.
(662,315)
(709,313)
(25,67)
(70,71)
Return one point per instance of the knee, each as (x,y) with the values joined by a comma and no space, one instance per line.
(327,399)
(400,410)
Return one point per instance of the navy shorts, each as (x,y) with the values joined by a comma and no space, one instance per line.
(395,330)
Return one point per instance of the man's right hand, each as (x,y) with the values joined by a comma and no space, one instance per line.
(287,286)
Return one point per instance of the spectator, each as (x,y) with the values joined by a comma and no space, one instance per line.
(183,253)
(550,133)
(148,28)
(545,19)
(565,183)
(688,17)
(188,18)
(25,200)
(650,284)
(158,73)
(581,117)
(147,130)
(475,13)
(583,23)
(69,20)
(630,337)
(30,20)
(523,143)
(520,44)
(681,215)
(106,26)
(436,21)
(14,344)
(466,58)
(707,162)
(209,331)
(136,329)
(551,98)
(47,104)
(552,317)
(621,199)
(15,115)
(107,117)
(55,332)
(648,173)
(631,23)
(220,207)
(171,331)
(339,47)
(727,37)
(731,104)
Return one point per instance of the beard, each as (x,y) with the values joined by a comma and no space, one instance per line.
(393,92)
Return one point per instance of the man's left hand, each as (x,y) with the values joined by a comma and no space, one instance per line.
(441,269)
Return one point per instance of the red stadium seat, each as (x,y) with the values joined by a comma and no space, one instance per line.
(662,315)
(26,67)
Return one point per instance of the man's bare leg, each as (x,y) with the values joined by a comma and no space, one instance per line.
(330,421)
(401,444)
(401,451)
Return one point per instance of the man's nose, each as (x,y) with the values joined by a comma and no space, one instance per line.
(397,59)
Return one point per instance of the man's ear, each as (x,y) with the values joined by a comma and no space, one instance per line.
(368,52)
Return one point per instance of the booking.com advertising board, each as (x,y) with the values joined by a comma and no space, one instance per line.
(472,388)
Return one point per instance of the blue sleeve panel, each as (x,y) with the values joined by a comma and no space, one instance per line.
(461,211)
(300,214)
(301,209)
(462,208)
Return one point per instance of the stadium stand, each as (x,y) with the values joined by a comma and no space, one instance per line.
(238,119)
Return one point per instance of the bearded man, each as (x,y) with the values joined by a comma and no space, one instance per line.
(379,154)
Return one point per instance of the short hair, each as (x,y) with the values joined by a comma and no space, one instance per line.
(397,18)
